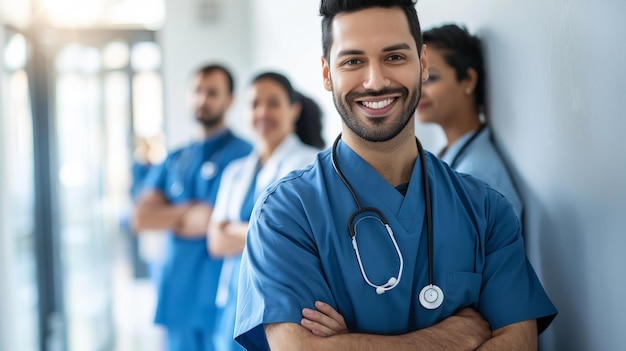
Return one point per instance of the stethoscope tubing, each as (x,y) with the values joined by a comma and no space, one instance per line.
(361,209)
(466,145)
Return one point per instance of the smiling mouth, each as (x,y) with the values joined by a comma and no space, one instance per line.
(377,105)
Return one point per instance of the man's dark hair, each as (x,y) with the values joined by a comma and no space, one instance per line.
(208,69)
(461,51)
(330,8)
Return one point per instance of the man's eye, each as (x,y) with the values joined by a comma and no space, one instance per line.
(395,58)
(351,62)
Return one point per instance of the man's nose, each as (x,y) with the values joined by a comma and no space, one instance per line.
(376,78)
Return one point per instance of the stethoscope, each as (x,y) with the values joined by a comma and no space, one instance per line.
(465,146)
(208,170)
(431,296)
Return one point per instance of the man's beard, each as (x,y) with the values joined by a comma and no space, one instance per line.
(209,120)
(378,134)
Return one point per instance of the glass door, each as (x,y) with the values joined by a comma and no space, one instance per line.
(19,290)
(107,97)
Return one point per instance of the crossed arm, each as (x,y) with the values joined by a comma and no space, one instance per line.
(226,238)
(325,329)
(154,212)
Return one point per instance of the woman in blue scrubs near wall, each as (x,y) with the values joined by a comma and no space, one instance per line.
(288,126)
(454,98)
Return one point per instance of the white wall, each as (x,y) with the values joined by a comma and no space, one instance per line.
(288,38)
(557,101)
(188,41)
(557,104)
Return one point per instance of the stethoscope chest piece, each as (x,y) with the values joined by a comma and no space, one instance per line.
(176,189)
(208,170)
(431,296)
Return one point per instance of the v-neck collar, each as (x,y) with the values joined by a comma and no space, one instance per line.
(374,191)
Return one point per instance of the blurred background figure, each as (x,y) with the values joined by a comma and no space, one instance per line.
(178,197)
(148,153)
(288,127)
(454,98)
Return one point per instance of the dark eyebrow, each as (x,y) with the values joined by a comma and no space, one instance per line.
(349,53)
(402,46)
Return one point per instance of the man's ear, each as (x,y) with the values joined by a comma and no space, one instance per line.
(326,75)
(424,63)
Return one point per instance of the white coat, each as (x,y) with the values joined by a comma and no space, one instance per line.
(290,155)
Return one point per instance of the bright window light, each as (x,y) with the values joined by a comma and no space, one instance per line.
(15,54)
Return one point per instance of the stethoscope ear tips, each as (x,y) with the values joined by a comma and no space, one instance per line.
(390,285)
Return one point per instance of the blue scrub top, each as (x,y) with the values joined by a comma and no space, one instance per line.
(186,291)
(482,160)
(299,251)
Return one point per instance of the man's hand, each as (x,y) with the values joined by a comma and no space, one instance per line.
(324,321)
(465,330)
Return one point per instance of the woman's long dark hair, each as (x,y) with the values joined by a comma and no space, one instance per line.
(309,124)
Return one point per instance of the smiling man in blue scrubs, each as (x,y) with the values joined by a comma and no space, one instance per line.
(178,197)
(387,284)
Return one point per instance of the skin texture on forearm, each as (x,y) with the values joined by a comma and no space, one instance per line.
(195,221)
(521,336)
(465,330)
(324,321)
(226,238)
(154,212)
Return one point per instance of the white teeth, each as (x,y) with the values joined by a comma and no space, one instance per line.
(377,104)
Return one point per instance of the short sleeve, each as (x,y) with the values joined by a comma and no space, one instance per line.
(281,271)
(508,269)
(156,178)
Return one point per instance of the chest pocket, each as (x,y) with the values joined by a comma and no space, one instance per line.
(462,290)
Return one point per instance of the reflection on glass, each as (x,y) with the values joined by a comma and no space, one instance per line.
(15,52)
(145,56)
(94,90)
(115,55)
(117,127)
(91,61)
(75,57)
(68,59)
(84,238)
(148,105)
(22,286)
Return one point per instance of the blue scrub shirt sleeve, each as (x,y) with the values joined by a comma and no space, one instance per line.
(281,272)
(508,270)
(156,178)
